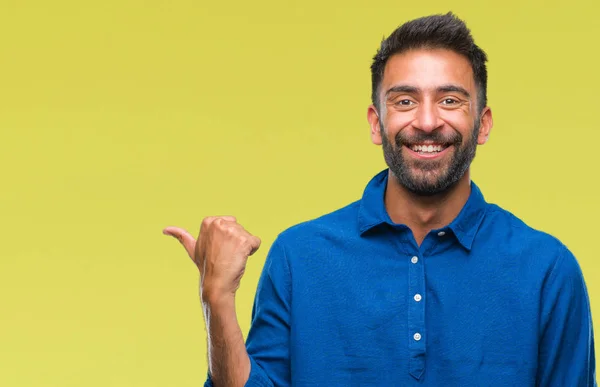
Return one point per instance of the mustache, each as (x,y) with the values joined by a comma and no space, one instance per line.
(402,138)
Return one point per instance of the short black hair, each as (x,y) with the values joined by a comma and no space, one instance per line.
(432,32)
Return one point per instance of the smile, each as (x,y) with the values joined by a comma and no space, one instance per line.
(428,151)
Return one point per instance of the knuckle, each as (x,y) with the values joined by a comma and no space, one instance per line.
(207,221)
(248,241)
(226,225)
(219,224)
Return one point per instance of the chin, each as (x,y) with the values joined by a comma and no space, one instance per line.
(428,186)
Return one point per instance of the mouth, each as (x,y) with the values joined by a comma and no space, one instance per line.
(427,150)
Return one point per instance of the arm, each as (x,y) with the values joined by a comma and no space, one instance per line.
(220,253)
(566,350)
(228,361)
(268,352)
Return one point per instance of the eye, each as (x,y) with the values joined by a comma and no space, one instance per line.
(450,101)
(404,102)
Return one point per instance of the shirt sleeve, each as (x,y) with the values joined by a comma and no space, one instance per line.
(269,336)
(566,350)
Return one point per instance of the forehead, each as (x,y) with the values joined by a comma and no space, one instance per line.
(427,69)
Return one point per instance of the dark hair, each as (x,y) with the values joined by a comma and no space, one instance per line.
(431,32)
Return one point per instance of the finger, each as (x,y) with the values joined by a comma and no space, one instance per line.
(198,253)
(206,222)
(211,221)
(202,235)
(255,244)
(184,237)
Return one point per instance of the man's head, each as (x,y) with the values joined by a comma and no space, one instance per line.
(429,93)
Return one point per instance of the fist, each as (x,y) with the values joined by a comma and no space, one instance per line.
(220,252)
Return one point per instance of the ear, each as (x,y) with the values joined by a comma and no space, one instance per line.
(373,118)
(486,123)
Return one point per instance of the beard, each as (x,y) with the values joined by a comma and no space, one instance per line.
(429,177)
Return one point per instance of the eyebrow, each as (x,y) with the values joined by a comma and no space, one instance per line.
(441,89)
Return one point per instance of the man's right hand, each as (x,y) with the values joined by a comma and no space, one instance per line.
(220,253)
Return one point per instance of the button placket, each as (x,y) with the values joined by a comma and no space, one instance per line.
(416,317)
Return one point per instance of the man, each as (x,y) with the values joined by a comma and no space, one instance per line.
(419,283)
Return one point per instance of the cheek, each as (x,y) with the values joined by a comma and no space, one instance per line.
(399,118)
(397,122)
(459,117)
(459,121)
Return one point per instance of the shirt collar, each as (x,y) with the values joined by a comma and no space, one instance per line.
(372,212)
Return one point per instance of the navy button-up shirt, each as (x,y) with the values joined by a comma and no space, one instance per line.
(350,299)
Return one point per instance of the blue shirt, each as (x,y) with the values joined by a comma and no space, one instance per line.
(350,299)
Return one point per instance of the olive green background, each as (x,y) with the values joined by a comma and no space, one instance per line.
(118,118)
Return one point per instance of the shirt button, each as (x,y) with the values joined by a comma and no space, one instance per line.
(417,297)
(441,233)
(417,336)
(414,259)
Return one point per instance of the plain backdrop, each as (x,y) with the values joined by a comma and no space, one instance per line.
(121,117)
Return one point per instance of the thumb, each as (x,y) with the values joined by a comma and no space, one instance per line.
(186,239)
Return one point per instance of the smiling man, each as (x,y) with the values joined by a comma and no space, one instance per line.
(421,282)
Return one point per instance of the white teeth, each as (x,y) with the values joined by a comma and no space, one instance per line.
(427,148)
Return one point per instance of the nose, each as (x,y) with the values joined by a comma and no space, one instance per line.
(427,117)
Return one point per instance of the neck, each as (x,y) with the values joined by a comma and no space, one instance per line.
(425,213)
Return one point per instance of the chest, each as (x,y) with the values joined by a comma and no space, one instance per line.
(417,316)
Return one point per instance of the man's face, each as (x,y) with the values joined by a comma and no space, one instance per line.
(428,123)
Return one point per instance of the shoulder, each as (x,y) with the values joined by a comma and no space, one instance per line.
(341,222)
(512,234)
(314,239)
(513,229)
